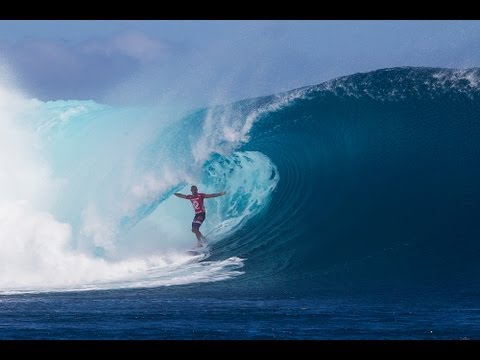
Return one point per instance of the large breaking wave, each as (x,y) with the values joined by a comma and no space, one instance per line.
(365,179)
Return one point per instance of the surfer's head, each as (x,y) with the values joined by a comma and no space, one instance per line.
(194,189)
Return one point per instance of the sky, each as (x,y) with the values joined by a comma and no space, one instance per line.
(200,62)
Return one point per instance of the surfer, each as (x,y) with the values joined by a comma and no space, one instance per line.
(197,202)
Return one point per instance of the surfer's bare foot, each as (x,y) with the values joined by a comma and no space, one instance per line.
(199,244)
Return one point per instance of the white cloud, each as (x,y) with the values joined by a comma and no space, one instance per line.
(139,46)
(55,54)
(134,44)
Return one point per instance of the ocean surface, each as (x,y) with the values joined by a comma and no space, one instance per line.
(351,213)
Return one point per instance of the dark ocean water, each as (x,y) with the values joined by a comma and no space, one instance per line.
(352,212)
(185,313)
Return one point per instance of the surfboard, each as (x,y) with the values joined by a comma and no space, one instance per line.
(198,251)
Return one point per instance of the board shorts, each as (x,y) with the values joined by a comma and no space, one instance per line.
(198,220)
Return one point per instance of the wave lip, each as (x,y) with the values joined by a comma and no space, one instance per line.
(395,84)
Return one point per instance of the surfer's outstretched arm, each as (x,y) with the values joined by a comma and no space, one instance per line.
(180,195)
(215,195)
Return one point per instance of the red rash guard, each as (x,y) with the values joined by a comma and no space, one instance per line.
(197,202)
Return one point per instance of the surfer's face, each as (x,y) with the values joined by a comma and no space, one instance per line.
(194,189)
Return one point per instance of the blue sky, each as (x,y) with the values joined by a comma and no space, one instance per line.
(206,62)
